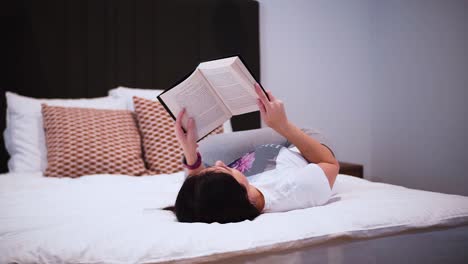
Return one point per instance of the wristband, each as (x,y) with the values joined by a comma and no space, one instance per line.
(193,166)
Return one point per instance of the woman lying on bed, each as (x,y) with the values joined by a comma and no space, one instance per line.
(272,178)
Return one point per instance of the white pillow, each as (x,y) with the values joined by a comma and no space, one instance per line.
(128,93)
(150,94)
(24,133)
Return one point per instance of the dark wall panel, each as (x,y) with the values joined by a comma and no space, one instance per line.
(111,43)
(177,41)
(76,43)
(96,47)
(219,36)
(48,29)
(144,42)
(83,48)
(125,39)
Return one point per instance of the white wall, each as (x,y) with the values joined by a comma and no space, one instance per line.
(420,114)
(385,80)
(314,56)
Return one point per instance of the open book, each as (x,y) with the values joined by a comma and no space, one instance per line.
(212,94)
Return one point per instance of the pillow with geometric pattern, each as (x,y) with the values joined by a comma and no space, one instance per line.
(84,141)
(162,152)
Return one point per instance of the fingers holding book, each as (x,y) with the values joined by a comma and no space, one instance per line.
(261,94)
(272,110)
(188,137)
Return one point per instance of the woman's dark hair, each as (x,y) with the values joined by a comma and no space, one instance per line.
(213,197)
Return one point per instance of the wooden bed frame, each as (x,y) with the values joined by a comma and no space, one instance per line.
(429,245)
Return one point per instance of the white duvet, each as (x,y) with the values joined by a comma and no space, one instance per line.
(116,219)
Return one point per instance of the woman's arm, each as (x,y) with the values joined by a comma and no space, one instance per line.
(274,115)
(188,142)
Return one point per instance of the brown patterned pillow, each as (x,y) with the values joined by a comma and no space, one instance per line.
(162,151)
(83,141)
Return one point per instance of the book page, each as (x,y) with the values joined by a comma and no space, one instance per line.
(236,92)
(201,103)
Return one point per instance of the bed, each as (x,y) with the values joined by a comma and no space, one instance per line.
(96,46)
(118,219)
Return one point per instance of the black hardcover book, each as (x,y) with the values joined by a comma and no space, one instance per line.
(212,94)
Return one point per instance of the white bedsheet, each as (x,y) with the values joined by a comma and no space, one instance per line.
(115,219)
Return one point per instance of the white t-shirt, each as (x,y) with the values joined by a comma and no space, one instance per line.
(291,182)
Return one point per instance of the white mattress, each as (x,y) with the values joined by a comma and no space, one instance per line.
(115,219)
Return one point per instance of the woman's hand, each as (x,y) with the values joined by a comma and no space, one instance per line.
(274,115)
(188,139)
(272,111)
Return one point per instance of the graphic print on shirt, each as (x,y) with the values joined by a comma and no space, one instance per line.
(262,159)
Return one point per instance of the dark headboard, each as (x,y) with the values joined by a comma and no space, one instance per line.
(83,48)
